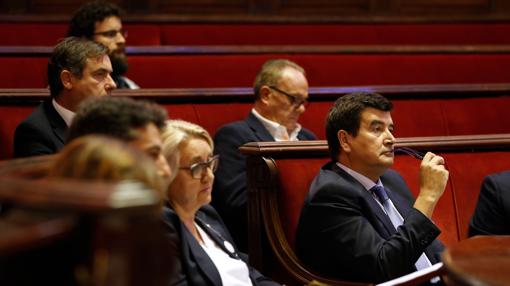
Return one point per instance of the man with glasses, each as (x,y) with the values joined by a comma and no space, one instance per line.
(281,96)
(101,22)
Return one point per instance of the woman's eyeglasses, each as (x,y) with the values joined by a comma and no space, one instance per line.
(198,170)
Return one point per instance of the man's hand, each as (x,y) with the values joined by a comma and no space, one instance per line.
(433,179)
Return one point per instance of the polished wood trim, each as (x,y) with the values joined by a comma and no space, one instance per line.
(35,167)
(45,51)
(432,143)
(245,94)
(74,195)
(15,236)
(480,260)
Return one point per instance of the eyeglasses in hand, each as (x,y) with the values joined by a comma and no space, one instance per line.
(416,154)
(294,101)
(198,170)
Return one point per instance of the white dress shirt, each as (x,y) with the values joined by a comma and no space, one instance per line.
(278,131)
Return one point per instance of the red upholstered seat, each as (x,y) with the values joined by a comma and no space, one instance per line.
(467,171)
(445,215)
(295,178)
(322,69)
(209,70)
(214,115)
(10,117)
(335,34)
(145,34)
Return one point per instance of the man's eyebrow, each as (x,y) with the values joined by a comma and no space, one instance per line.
(377,122)
(102,70)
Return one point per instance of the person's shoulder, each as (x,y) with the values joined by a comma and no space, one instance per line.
(329,182)
(500,177)
(36,122)
(37,117)
(393,175)
(209,212)
(237,133)
(501,180)
(170,217)
(232,127)
(307,134)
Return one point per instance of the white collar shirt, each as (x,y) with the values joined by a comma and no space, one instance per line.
(278,131)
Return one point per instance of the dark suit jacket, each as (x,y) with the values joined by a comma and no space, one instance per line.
(492,212)
(42,133)
(344,233)
(229,195)
(196,267)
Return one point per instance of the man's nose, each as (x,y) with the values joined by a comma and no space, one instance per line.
(110,85)
(390,139)
(120,39)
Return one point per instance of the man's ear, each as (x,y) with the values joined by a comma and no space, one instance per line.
(66,77)
(344,139)
(264,93)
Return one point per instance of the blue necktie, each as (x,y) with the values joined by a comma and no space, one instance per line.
(396,220)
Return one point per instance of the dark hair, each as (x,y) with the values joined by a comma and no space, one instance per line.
(116,117)
(84,19)
(71,54)
(345,114)
(271,72)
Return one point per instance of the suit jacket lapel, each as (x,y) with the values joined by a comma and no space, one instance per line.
(258,129)
(201,257)
(374,206)
(57,123)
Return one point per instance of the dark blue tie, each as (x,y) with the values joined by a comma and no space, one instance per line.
(380,192)
(396,220)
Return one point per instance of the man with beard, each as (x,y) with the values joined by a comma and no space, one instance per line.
(101,23)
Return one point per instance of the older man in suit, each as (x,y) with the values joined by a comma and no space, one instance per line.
(281,94)
(359,221)
(77,69)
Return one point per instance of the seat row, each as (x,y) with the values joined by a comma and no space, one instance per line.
(279,174)
(47,33)
(219,66)
(419,110)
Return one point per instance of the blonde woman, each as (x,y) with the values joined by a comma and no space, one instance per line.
(208,253)
(95,157)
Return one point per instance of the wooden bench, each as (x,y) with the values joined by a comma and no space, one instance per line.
(420,110)
(94,233)
(279,175)
(219,66)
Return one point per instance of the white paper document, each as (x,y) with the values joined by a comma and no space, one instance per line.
(413,275)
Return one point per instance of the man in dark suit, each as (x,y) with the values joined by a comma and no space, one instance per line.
(101,22)
(281,94)
(77,69)
(359,222)
(492,212)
